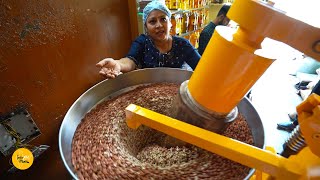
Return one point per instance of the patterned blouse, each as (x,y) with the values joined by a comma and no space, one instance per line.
(144,53)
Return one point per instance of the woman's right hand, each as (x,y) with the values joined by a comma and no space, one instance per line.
(109,68)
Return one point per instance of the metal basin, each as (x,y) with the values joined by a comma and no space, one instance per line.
(125,82)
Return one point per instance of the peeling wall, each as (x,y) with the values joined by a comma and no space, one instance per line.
(48,52)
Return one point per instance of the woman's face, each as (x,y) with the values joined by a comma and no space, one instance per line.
(158,25)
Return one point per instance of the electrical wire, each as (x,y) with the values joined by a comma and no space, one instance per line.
(13,133)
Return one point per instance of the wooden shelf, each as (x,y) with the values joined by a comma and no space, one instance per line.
(175,11)
(190,32)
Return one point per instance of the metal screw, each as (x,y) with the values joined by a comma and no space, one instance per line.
(316,46)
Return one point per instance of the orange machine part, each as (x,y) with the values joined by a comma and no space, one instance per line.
(48,52)
(266,21)
(226,72)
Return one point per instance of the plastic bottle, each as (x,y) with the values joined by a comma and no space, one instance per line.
(200,19)
(173,30)
(192,21)
(197,37)
(183,4)
(196,3)
(168,4)
(207,20)
(196,20)
(185,22)
(187,4)
(191,4)
(174,4)
(193,39)
(178,24)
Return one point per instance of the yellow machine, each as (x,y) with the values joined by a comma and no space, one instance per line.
(230,70)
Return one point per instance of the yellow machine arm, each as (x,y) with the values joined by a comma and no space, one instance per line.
(294,167)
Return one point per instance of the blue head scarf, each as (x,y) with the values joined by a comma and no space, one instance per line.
(155,5)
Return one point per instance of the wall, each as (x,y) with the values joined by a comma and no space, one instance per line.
(48,52)
(213,11)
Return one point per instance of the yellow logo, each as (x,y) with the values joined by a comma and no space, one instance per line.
(22,158)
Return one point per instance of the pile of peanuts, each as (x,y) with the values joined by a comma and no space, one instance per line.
(160,156)
(104,147)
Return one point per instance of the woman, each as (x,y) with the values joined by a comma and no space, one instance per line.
(156,48)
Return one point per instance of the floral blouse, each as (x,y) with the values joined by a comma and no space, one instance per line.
(144,53)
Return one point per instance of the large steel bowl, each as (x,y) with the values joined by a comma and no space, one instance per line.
(125,82)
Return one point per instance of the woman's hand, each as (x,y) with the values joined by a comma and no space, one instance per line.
(109,67)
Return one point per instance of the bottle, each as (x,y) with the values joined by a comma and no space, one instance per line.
(174,4)
(197,38)
(200,19)
(185,22)
(187,4)
(191,4)
(178,24)
(173,30)
(196,3)
(168,4)
(207,20)
(204,3)
(183,4)
(196,20)
(193,39)
(187,37)
(192,20)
